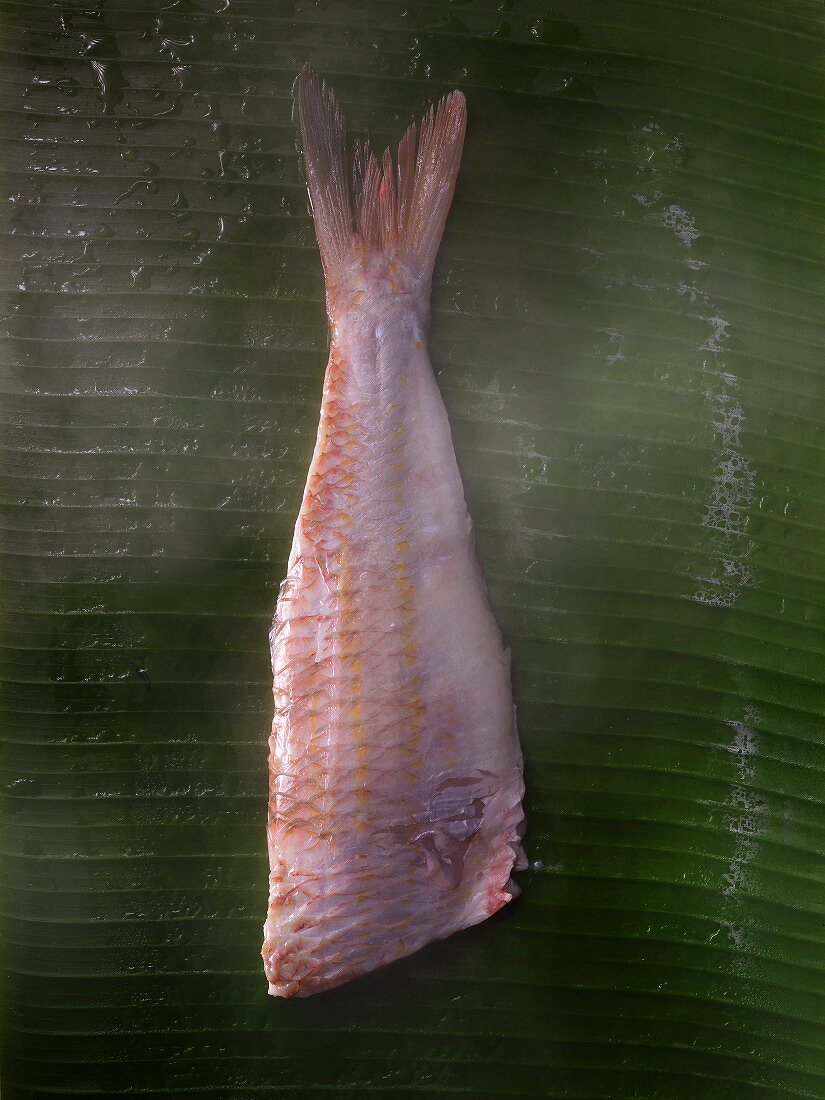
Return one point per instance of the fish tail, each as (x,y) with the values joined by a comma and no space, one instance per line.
(361,203)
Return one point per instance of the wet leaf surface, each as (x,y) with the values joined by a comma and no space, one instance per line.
(627,328)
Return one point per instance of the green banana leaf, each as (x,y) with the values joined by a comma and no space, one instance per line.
(628,332)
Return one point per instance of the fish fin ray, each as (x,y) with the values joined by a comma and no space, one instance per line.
(426,179)
(396,206)
(328,167)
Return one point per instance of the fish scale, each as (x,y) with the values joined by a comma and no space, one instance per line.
(395,769)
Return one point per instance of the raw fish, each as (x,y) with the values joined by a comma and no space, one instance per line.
(395,769)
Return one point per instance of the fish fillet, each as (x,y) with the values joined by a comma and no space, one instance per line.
(395,768)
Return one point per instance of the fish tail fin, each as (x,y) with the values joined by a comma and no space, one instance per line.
(358,200)
(328,168)
(404,206)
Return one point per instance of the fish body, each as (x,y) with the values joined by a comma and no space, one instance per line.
(395,768)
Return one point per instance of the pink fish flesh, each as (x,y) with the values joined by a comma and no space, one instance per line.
(395,768)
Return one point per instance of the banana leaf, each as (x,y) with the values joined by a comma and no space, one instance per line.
(628,333)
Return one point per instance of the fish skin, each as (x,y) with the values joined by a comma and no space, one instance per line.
(395,768)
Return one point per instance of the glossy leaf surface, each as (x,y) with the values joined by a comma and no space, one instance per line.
(628,332)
